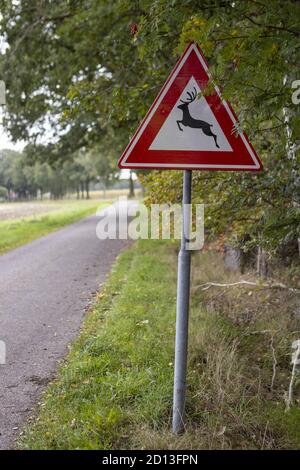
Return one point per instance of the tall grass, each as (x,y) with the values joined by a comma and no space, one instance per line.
(14,233)
(115,388)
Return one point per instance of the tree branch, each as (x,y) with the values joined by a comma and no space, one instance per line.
(275,285)
(279,28)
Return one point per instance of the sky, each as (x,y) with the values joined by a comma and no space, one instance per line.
(5,140)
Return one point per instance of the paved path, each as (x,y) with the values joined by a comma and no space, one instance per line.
(44,289)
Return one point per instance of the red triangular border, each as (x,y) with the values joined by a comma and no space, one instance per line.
(137,154)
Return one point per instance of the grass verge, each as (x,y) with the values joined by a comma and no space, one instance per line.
(14,233)
(114,391)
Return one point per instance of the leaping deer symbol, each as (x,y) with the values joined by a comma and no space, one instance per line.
(189,121)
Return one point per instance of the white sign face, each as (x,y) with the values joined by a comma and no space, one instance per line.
(170,137)
(2,92)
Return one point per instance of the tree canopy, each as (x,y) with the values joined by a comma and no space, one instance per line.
(88,71)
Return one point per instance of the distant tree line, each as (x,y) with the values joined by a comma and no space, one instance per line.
(21,179)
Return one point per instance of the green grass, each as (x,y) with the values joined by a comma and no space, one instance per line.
(114,391)
(14,233)
(119,371)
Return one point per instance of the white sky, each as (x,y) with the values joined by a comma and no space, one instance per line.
(5,140)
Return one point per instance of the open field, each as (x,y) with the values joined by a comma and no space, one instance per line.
(114,390)
(20,210)
(113,193)
(23,222)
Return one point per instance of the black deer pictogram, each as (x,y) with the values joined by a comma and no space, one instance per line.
(189,121)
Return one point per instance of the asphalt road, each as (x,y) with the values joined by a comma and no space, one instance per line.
(45,287)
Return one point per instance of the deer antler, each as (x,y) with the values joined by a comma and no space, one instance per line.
(192,96)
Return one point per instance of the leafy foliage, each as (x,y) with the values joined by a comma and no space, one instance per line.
(90,77)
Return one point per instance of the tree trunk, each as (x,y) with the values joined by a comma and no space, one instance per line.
(232,258)
(131,186)
(87,189)
(262,262)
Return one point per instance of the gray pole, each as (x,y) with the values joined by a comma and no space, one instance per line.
(182,310)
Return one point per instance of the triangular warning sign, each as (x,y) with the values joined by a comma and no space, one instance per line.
(168,137)
(186,130)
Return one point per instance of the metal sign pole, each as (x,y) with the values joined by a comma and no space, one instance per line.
(182,310)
